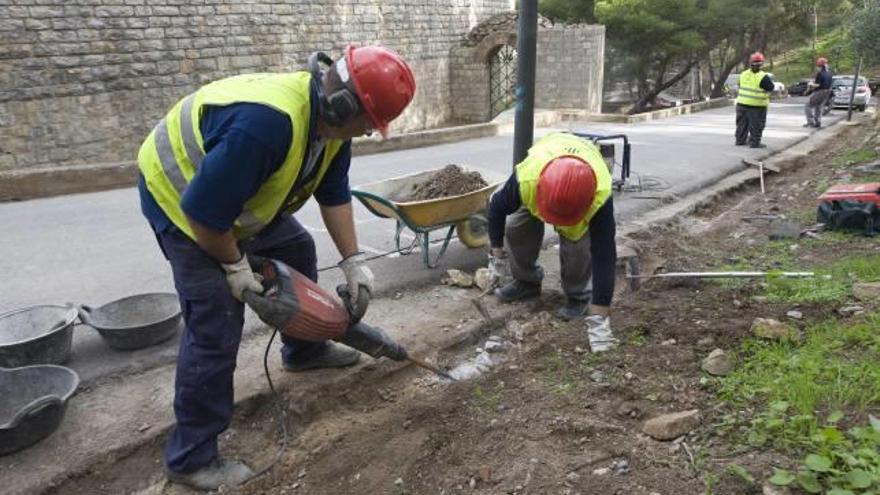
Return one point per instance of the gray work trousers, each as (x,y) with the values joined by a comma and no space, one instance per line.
(523,237)
(814,106)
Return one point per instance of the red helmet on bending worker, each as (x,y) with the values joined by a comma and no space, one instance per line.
(384,83)
(756,58)
(565,190)
(821,62)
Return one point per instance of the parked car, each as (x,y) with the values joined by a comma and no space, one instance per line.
(842,88)
(799,88)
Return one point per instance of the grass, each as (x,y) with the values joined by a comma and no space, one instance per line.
(563,375)
(831,284)
(853,157)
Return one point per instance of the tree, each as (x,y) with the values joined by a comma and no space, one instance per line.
(569,11)
(659,41)
(866,31)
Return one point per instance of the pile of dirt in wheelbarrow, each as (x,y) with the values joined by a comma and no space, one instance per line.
(452,180)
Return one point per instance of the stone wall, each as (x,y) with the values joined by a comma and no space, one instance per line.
(83,82)
(569,68)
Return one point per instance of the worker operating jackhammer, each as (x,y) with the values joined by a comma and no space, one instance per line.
(220,177)
(564,182)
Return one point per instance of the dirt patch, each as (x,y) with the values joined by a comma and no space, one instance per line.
(452,180)
(553,418)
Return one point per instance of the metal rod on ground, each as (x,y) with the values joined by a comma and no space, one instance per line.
(761,175)
(727,275)
(430,367)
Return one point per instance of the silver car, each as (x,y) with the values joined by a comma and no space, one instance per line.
(842,88)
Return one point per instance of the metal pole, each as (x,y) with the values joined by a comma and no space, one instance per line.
(526,49)
(852,94)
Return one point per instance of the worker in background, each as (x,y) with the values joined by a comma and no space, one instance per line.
(820,93)
(220,176)
(752,100)
(564,182)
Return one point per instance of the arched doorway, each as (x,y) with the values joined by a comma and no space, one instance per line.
(502,79)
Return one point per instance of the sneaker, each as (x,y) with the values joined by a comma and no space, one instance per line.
(220,472)
(759,145)
(334,356)
(573,309)
(517,291)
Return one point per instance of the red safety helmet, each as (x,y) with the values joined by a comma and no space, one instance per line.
(383,81)
(565,190)
(821,61)
(756,58)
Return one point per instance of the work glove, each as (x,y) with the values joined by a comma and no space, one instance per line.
(599,333)
(499,269)
(359,278)
(240,277)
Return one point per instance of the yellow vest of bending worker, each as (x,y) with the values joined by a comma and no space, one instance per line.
(750,91)
(554,146)
(173,151)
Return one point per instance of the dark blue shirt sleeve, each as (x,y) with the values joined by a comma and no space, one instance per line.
(767,84)
(603,251)
(334,189)
(245,143)
(503,202)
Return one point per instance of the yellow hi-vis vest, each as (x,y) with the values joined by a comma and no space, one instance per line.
(554,146)
(173,151)
(750,91)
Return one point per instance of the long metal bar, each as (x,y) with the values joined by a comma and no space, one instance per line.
(727,275)
(526,53)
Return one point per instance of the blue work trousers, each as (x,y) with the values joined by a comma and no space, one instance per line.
(203,395)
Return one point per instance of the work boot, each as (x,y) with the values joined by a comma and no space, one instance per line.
(517,291)
(333,356)
(740,144)
(573,309)
(757,145)
(220,472)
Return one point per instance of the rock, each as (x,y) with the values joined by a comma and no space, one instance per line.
(717,363)
(867,291)
(458,278)
(472,483)
(629,409)
(853,310)
(706,341)
(597,376)
(481,278)
(515,331)
(768,328)
(770,489)
(737,303)
(601,471)
(621,466)
(572,477)
(671,426)
(783,229)
(797,315)
(668,342)
(495,346)
(398,481)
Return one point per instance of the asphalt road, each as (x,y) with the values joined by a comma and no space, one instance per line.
(94,248)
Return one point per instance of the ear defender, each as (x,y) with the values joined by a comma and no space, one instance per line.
(340,105)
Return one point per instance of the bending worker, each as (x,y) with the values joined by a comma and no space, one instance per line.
(752,100)
(221,175)
(821,92)
(564,182)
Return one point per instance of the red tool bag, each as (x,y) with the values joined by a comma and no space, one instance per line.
(851,207)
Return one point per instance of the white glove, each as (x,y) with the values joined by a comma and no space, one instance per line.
(599,333)
(359,277)
(499,269)
(240,277)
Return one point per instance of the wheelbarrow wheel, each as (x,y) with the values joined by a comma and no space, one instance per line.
(473,232)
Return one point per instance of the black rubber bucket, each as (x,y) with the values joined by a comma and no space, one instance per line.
(135,322)
(33,400)
(36,335)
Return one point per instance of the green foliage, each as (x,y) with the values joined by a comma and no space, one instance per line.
(856,156)
(866,31)
(803,393)
(568,11)
(831,284)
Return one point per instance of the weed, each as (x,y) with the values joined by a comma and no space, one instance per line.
(831,284)
(487,401)
(852,157)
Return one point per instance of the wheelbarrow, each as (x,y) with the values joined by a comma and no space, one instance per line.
(463,214)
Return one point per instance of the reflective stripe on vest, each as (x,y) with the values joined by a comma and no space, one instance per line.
(173,151)
(750,91)
(554,146)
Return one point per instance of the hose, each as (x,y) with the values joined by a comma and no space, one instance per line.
(280,416)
